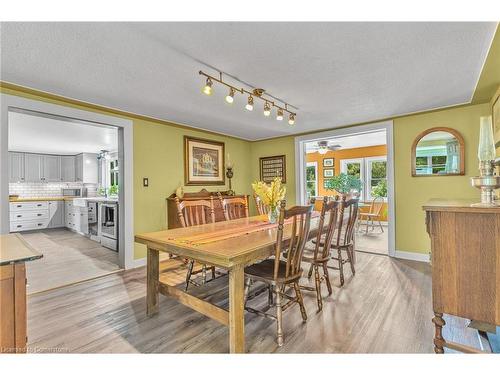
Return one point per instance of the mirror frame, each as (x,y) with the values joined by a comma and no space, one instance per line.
(460,140)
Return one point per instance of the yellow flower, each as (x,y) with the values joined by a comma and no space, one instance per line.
(270,194)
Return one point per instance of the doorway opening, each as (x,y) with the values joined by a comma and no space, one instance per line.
(365,154)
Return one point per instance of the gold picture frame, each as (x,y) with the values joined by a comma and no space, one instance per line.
(495,112)
(203,162)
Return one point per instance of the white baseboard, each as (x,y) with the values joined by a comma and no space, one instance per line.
(409,255)
(141,262)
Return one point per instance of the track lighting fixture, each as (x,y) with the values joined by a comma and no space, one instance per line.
(230,96)
(269,100)
(279,115)
(249,105)
(267,109)
(207,89)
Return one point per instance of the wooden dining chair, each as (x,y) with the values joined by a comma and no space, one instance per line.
(262,209)
(319,255)
(191,213)
(373,214)
(285,269)
(344,237)
(234,208)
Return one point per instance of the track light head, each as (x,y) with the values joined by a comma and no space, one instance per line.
(279,115)
(230,96)
(291,119)
(207,89)
(267,109)
(249,105)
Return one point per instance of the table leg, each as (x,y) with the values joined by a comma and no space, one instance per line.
(153,274)
(438,335)
(236,310)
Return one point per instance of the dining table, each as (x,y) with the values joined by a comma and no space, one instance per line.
(229,245)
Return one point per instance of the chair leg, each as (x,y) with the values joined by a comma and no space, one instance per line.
(350,252)
(279,316)
(367,222)
(327,279)
(341,267)
(300,300)
(248,283)
(318,287)
(270,297)
(204,273)
(213,272)
(189,273)
(380,225)
(309,274)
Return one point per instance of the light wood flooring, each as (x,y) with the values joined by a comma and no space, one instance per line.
(374,241)
(68,257)
(385,308)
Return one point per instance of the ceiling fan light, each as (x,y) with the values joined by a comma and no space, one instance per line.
(230,96)
(323,151)
(267,109)
(291,119)
(207,89)
(249,105)
(279,115)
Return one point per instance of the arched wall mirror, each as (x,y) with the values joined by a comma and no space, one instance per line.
(438,152)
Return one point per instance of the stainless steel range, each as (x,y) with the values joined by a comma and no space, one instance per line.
(108,225)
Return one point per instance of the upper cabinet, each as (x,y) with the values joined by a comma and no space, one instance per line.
(16,167)
(27,167)
(68,168)
(86,167)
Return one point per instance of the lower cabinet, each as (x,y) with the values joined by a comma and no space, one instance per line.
(56,214)
(36,215)
(76,218)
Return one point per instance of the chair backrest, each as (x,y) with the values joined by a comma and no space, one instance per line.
(376,206)
(326,227)
(299,235)
(234,208)
(348,214)
(262,209)
(195,212)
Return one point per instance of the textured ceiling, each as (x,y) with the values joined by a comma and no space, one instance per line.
(335,73)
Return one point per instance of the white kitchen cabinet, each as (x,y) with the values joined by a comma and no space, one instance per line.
(51,168)
(28,215)
(56,214)
(33,168)
(86,167)
(68,165)
(16,167)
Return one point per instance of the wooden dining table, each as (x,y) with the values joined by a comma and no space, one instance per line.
(230,245)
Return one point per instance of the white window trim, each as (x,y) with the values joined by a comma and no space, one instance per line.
(368,174)
(315,165)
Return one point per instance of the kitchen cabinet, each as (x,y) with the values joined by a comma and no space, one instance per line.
(68,164)
(51,168)
(42,168)
(56,214)
(76,218)
(32,168)
(16,167)
(28,215)
(86,167)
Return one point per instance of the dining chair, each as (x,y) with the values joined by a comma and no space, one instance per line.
(344,237)
(191,213)
(262,209)
(373,214)
(319,256)
(234,208)
(285,269)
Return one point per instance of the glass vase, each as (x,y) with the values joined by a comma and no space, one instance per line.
(273,215)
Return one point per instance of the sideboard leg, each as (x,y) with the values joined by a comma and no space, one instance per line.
(438,335)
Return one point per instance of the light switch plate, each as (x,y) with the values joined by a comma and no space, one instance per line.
(145,182)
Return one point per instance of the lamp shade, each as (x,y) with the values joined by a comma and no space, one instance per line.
(486,149)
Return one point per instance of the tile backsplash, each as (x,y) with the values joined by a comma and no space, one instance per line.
(42,189)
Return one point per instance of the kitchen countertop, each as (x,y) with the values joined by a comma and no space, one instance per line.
(40,199)
(13,249)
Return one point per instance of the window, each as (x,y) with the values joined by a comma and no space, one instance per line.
(312,180)
(372,171)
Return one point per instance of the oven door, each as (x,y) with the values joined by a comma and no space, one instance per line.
(108,220)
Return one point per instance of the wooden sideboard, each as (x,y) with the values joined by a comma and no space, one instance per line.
(171,214)
(14,252)
(465,243)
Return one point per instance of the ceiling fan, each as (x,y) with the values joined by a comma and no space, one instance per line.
(323,147)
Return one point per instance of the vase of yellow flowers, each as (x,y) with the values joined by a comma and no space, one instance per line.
(271,195)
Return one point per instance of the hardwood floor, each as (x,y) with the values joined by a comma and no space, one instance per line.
(373,242)
(386,308)
(68,257)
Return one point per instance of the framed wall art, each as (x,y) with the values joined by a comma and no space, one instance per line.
(203,162)
(272,167)
(328,162)
(328,173)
